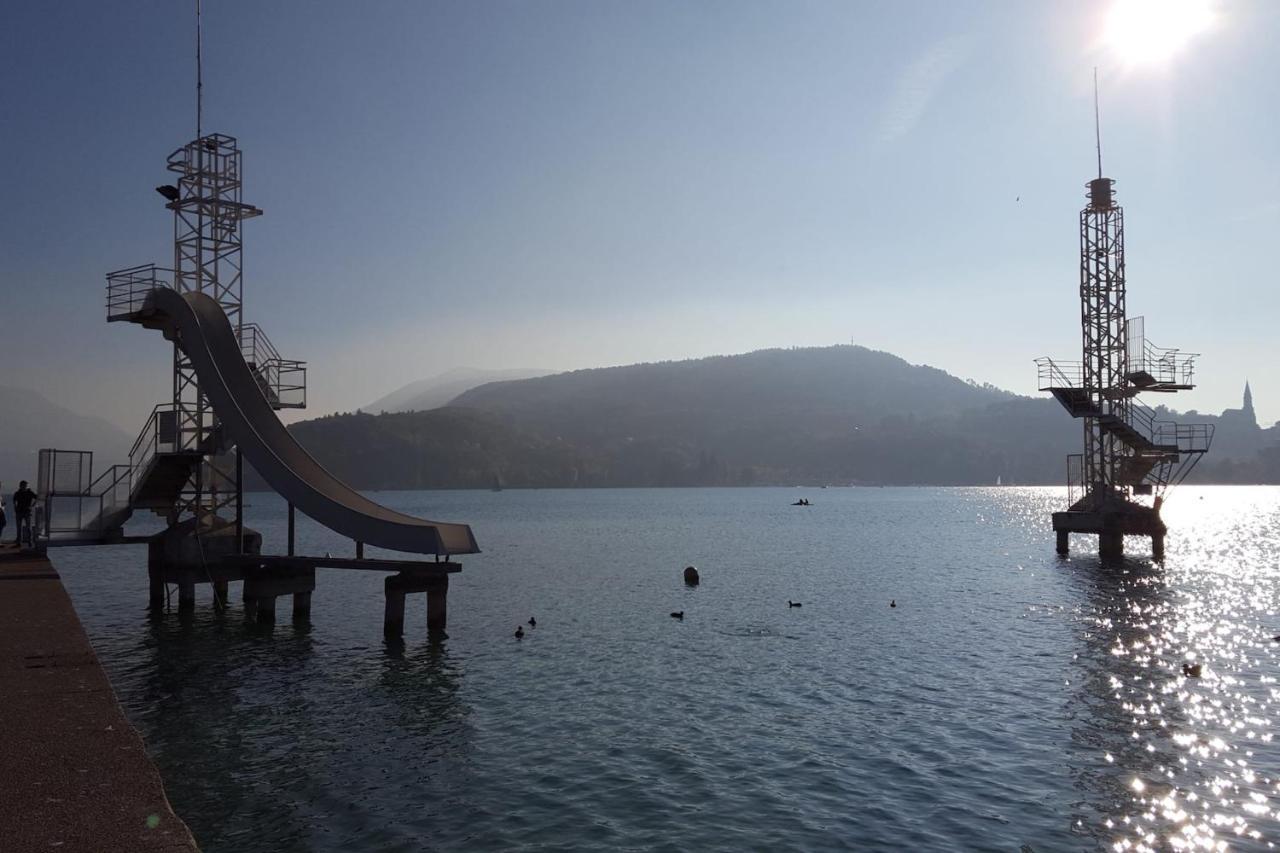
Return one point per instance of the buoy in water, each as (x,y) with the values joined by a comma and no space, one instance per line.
(691,576)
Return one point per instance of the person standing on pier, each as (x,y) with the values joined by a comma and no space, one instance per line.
(23,500)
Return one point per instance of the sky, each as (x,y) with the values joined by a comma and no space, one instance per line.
(563,185)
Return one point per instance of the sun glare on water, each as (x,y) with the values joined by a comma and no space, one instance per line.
(1150,32)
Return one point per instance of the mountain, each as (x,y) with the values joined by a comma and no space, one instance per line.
(438,390)
(842,414)
(817,415)
(29,422)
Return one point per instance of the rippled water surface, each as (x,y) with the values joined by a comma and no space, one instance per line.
(1010,699)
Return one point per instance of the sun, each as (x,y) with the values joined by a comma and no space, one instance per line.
(1150,32)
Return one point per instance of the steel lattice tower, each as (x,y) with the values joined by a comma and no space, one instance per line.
(207,244)
(1102,306)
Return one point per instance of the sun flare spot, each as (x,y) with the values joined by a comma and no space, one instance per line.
(1150,32)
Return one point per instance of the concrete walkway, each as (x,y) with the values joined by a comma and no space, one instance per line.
(76,774)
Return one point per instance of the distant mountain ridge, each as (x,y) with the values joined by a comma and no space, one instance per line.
(439,390)
(843,414)
(29,422)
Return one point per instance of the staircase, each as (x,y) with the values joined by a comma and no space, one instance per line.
(1161,452)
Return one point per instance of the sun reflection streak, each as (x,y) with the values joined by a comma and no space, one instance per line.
(1196,766)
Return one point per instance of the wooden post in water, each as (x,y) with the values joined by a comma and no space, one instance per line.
(291,529)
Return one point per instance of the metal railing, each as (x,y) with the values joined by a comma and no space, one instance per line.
(283,380)
(1075,478)
(1059,374)
(1165,366)
(70,506)
(165,432)
(128,289)
(1187,438)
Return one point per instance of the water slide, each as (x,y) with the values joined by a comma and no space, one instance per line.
(200,327)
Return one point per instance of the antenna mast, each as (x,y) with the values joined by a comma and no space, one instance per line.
(200,75)
(1097,124)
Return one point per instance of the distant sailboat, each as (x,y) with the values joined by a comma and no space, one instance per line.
(497,482)
(998,480)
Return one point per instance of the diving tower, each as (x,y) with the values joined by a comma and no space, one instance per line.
(229,382)
(1130,452)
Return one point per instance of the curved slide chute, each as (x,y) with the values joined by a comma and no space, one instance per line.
(200,327)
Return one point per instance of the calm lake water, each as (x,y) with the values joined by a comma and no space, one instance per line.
(1010,701)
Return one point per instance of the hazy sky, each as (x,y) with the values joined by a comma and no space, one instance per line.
(575,184)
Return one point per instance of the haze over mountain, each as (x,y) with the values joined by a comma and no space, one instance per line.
(842,414)
(439,390)
(29,422)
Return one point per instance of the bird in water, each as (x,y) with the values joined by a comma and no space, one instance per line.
(791,603)
(1191,670)
(677,614)
(893,602)
(519,632)
(533,623)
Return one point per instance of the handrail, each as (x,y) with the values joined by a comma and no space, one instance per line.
(1075,478)
(1059,374)
(283,380)
(1165,365)
(127,289)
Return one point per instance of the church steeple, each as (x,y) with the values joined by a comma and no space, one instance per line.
(1248,398)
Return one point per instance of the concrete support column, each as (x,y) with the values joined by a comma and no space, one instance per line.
(156,597)
(437,605)
(1064,542)
(393,621)
(302,607)
(186,594)
(1157,547)
(1110,544)
(264,610)
(220,593)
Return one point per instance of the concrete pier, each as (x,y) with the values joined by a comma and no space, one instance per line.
(78,774)
(1111,520)
(434,583)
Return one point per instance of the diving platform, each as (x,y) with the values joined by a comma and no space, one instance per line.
(229,384)
(1130,450)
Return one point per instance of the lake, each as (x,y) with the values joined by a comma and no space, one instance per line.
(1011,700)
